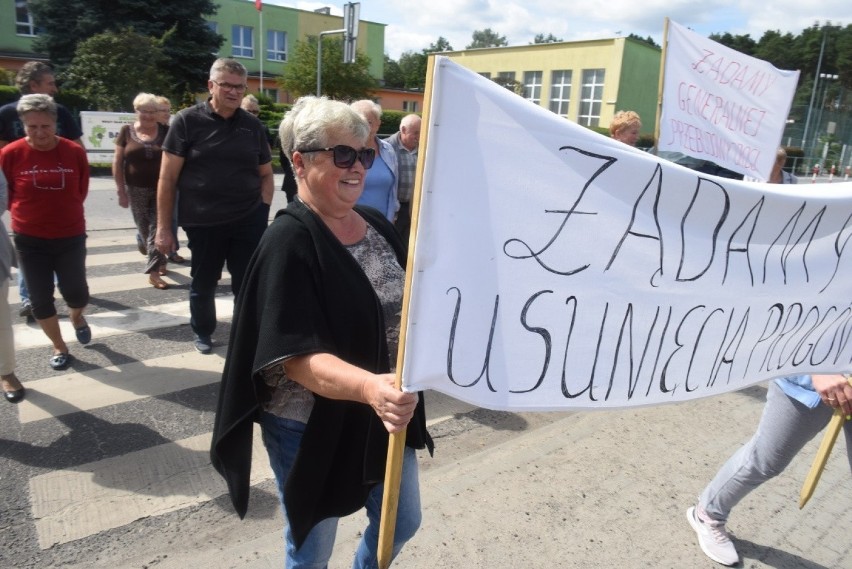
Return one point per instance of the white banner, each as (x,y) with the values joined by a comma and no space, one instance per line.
(555,268)
(721,105)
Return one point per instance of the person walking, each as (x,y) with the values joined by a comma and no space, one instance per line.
(217,162)
(136,169)
(34,77)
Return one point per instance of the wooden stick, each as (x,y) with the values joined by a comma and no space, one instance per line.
(660,84)
(396,446)
(821,458)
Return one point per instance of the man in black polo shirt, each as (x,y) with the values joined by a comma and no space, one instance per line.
(217,157)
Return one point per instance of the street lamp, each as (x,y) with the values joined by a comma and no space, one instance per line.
(825,77)
(814,92)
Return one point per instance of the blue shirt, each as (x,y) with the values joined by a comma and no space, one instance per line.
(800,388)
(378,188)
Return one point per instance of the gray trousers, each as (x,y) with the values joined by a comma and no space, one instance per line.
(785,428)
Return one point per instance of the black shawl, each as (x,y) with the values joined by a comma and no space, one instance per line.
(305,293)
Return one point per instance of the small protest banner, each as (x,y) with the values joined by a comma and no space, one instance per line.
(721,105)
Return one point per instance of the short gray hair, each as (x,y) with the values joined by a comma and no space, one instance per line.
(365,106)
(145,100)
(312,121)
(31,71)
(36,103)
(227,65)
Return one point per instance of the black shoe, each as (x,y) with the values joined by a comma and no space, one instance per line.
(16,395)
(60,361)
(26,311)
(203,344)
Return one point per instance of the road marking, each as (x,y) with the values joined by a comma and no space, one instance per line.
(113,323)
(102,387)
(82,501)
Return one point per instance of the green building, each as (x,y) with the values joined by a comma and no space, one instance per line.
(258,39)
(584,81)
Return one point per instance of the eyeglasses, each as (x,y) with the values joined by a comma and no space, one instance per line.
(229,86)
(255,112)
(345,156)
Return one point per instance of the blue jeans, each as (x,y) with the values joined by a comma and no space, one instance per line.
(212,247)
(282,438)
(786,426)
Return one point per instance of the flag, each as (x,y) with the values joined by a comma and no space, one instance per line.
(555,268)
(258,4)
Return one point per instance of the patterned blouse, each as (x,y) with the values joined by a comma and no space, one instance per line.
(376,257)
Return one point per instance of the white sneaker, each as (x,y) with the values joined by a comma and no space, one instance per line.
(713,538)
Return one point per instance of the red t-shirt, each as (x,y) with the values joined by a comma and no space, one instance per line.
(47,188)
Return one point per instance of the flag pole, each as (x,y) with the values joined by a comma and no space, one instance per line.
(258,4)
(660,86)
(396,446)
(821,458)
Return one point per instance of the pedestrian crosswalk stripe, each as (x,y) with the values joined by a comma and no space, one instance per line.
(101,387)
(78,502)
(113,323)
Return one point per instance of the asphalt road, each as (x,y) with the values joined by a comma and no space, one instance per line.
(105,465)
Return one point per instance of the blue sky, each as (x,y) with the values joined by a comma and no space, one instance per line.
(414,25)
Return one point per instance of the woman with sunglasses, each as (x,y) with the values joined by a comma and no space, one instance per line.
(313,344)
(48,182)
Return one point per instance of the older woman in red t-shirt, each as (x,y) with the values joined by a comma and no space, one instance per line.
(48,181)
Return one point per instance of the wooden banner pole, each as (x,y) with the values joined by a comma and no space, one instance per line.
(660,85)
(396,446)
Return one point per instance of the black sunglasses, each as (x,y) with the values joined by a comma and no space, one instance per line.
(345,156)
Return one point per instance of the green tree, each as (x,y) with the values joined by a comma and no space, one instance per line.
(413,64)
(778,49)
(111,68)
(339,80)
(742,43)
(188,49)
(649,40)
(394,77)
(549,38)
(487,38)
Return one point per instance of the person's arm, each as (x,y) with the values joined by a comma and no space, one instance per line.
(267,182)
(170,168)
(118,176)
(834,390)
(329,376)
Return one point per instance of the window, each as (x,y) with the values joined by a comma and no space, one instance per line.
(276,45)
(486,74)
(506,79)
(409,106)
(591,97)
(532,86)
(213,27)
(271,93)
(24,25)
(242,41)
(560,91)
